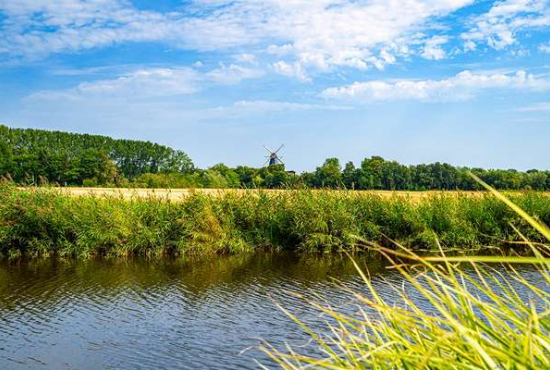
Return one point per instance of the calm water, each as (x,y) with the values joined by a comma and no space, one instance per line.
(169,314)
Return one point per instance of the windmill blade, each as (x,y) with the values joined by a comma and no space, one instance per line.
(281,147)
(267,149)
(266,162)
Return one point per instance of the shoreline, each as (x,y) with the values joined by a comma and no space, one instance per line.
(52,221)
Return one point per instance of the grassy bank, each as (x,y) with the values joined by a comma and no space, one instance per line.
(45,222)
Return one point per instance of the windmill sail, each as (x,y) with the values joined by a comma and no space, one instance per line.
(273,157)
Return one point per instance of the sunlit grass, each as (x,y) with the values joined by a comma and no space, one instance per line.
(480,317)
(42,222)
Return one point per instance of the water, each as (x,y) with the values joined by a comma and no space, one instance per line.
(168,314)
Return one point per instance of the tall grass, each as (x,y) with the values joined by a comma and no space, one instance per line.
(44,222)
(480,317)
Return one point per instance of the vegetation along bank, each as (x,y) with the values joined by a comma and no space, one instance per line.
(47,221)
(35,157)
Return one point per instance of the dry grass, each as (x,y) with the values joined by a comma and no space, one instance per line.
(178,194)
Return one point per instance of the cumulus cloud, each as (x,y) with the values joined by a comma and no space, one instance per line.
(152,82)
(246,58)
(462,86)
(545,48)
(432,48)
(36,28)
(295,69)
(233,73)
(499,26)
(144,83)
(311,34)
(297,38)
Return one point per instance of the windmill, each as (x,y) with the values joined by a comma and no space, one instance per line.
(273,158)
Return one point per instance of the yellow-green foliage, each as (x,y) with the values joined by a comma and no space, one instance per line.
(45,221)
(480,318)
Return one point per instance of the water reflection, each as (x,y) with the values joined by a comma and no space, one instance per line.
(165,314)
(180,313)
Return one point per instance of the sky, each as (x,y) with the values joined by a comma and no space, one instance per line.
(459,81)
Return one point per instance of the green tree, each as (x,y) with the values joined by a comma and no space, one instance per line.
(350,176)
(6,158)
(371,173)
(96,164)
(329,175)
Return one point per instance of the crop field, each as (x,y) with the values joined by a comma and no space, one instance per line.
(178,194)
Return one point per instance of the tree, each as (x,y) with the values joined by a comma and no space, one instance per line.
(56,155)
(231,178)
(96,164)
(350,176)
(329,175)
(274,176)
(6,158)
(371,173)
(248,177)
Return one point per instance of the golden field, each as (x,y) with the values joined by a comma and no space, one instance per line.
(177,194)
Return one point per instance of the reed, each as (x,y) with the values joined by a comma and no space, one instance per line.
(45,221)
(481,317)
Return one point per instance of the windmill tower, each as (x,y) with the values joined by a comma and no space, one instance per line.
(273,158)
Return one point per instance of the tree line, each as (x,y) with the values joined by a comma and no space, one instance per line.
(34,157)
(29,156)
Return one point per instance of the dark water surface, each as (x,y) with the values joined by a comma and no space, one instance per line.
(163,314)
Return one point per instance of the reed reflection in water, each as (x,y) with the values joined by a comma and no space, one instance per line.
(185,313)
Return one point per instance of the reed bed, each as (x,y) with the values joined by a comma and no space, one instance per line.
(43,222)
(482,316)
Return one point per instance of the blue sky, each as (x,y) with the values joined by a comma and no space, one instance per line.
(459,81)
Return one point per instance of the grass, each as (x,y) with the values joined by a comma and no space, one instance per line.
(480,316)
(180,194)
(43,222)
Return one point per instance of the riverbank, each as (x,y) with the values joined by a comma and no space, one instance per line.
(42,222)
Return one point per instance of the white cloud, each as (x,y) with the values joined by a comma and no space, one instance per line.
(545,48)
(295,69)
(462,86)
(246,58)
(233,74)
(322,34)
(432,48)
(301,37)
(143,83)
(268,105)
(315,35)
(152,82)
(39,27)
(280,50)
(257,107)
(538,107)
(499,26)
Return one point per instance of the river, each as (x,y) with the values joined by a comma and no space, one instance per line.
(185,313)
